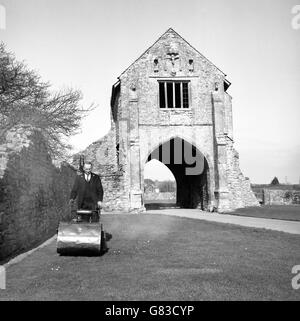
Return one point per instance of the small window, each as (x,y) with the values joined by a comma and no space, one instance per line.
(173,94)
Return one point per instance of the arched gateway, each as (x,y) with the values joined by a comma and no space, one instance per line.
(190,169)
(171,104)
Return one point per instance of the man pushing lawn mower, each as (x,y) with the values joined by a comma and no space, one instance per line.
(85,233)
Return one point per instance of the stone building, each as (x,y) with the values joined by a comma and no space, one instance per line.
(172,105)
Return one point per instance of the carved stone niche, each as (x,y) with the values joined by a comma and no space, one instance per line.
(217,86)
(191,65)
(217,94)
(133,92)
(155,65)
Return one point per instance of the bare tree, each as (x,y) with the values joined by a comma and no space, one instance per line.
(26,99)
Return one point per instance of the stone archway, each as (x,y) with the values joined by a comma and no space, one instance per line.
(190,169)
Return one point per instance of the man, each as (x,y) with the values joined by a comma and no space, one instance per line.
(88,189)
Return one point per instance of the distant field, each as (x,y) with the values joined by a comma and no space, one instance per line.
(280,212)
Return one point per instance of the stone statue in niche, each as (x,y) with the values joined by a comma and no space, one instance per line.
(133,92)
(173,62)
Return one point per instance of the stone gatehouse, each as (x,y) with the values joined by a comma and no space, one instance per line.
(172,105)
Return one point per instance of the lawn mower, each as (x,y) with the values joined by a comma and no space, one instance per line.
(83,235)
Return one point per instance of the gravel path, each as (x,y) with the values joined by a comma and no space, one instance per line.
(292,227)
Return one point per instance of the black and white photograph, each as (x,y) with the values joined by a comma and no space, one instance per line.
(149,153)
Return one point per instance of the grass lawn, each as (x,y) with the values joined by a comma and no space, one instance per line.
(280,212)
(164,258)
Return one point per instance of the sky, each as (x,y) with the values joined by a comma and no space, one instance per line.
(87,44)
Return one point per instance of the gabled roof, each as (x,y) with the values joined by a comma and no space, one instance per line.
(170,30)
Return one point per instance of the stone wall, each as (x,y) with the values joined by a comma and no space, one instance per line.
(107,163)
(240,192)
(280,197)
(34,193)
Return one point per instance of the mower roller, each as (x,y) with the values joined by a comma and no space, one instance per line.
(83,235)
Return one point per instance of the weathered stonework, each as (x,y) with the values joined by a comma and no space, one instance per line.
(140,128)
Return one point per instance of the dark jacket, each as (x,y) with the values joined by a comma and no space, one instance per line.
(95,189)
